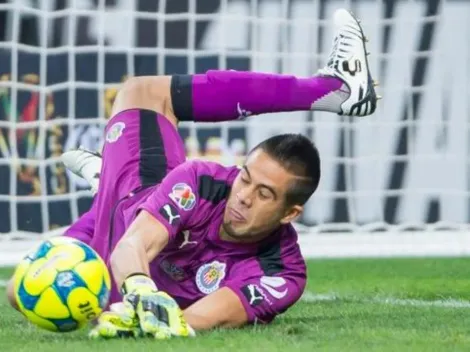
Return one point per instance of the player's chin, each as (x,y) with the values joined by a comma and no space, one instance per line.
(235,230)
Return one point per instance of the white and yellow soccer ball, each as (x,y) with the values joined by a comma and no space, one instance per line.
(62,285)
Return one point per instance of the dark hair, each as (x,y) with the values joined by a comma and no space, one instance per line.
(299,156)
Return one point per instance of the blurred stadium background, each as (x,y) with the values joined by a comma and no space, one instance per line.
(395,183)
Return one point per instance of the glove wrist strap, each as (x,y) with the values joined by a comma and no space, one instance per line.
(137,281)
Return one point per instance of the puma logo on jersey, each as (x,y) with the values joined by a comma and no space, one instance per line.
(170,213)
(186,240)
(242,113)
(253,294)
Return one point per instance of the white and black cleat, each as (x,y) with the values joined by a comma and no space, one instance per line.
(85,164)
(348,61)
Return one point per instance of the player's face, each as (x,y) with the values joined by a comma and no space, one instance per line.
(256,205)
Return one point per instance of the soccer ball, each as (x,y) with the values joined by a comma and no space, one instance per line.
(62,285)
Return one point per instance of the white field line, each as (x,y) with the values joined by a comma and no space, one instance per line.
(314,298)
(444,303)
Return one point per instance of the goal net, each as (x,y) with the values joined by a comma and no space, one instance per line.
(393,183)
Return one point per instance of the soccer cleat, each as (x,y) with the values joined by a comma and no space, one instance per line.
(85,164)
(348,61)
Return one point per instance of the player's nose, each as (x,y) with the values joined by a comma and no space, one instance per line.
(244,196)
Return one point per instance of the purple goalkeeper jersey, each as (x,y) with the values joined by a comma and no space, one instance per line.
(268,276)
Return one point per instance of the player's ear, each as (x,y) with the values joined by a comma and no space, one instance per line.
(292,213)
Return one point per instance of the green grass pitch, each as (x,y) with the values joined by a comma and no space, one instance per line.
(380,305)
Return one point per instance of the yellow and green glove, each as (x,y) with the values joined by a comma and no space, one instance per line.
(119,321)
(145,311)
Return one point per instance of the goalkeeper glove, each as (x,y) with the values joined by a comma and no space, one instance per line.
(158,314)
(119,321)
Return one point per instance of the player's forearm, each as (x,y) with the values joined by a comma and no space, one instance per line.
(141,243)
(128,258)
(221,309)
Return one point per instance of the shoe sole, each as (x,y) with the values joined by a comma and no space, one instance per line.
(370,95)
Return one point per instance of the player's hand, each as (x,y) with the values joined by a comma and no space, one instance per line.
(119,321)
(158,314)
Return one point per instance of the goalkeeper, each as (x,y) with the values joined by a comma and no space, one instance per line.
(193,245)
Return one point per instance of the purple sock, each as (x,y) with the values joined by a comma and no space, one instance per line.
(229,95)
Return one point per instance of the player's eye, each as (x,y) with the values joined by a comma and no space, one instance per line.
(245,180)
(264,194)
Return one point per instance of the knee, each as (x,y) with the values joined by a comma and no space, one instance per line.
(11,294)
(145,92)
